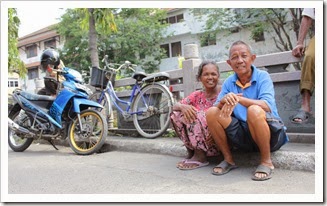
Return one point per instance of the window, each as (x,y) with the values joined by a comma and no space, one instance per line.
(176,49)
(180,18)
(31,51)
(173,19)
(208,39)
(50,43)
(166,49)
(33,73)
(258,37)
(257,33)
(12,82)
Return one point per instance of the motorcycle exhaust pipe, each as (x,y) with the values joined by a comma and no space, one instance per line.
(15,127)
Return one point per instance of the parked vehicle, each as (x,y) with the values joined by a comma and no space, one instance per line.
(150,102)
(70,114)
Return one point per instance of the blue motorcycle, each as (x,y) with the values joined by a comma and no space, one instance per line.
(69,114)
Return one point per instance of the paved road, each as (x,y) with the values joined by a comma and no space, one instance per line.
(43,170)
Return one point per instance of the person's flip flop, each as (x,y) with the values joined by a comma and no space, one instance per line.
(196,163)
(225,166)
(181,162)
(262,169)
(301,114)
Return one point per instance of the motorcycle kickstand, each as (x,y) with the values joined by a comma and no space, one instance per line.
(53,144)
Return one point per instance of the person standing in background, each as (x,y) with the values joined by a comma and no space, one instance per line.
(307,82)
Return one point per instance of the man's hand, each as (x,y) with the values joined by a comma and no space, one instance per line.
(227,110)
(298,51)
(231,98)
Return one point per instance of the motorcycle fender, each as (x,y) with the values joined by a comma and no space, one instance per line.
(81,101)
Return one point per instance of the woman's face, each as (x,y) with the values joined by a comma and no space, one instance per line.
(209,76)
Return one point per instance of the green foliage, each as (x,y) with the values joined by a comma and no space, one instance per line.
(75,51)
(170,133)
(224,75)
(137,39)
(257,30)
(15,64)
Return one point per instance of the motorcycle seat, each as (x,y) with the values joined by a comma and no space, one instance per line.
(36,97)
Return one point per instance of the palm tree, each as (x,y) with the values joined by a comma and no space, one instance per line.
(97,20)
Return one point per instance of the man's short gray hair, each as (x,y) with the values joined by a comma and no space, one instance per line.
(239,42)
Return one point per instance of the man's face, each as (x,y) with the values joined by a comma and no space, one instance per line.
(241,59)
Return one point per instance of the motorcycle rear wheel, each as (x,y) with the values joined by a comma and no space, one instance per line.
(93,136)
(17,143)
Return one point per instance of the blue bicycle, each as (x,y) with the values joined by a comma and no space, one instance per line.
(149,105)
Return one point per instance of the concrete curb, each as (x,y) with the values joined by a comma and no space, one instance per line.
(298,154)
(292,156)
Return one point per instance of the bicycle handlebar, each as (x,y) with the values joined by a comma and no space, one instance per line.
(127,64)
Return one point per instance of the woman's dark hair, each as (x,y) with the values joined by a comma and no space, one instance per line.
(204,63)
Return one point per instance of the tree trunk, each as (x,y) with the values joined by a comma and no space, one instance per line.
(93,40)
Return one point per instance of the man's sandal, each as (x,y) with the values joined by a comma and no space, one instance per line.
(262,169)
(225,166)
(301,115)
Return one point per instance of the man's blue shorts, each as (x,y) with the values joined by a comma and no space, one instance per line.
(239,134)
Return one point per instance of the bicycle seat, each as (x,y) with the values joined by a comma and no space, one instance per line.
(139,76)
(36,97)
(160,76)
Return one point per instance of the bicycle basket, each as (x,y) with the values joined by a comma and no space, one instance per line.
(99,79)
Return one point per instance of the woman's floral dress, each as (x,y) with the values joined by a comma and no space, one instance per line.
(195,135)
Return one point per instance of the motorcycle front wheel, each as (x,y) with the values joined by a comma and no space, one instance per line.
(93,134)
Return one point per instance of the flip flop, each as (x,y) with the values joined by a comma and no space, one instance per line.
(225,166)
(197,163)
(181,162)
(303,115)
(262,169)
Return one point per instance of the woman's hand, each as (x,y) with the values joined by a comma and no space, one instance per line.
(189,112)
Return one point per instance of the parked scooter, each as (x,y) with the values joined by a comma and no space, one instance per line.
(68,114)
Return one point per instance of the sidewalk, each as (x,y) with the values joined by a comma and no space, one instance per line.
(298,154)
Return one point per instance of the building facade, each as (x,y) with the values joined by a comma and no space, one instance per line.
(187,29)
(30,50)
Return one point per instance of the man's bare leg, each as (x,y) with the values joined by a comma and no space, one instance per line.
(260,133)
(216,125)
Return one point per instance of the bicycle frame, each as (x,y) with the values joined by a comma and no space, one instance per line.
(113,96)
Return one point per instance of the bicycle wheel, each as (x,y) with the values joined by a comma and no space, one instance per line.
(105,111)
(154,105)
